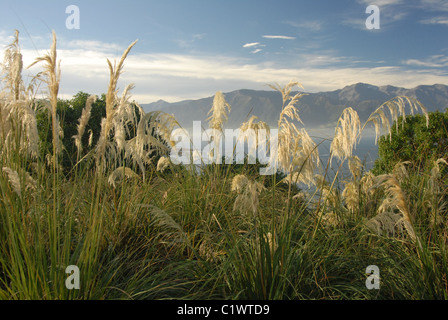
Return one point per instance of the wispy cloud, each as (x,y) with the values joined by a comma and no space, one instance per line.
(252,44)
(313,25)
(199,36)
(189,42)
(435,20)
(433,5)
(92,45)
(434,61)
(278,37)
(356,23)
(381,3)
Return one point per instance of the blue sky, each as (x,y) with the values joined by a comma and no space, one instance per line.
(190,49)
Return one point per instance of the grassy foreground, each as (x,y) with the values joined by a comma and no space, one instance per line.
(139,229)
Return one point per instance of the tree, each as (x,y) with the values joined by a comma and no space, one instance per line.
(69,112)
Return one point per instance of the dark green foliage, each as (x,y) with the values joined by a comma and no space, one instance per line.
(414,142)
(69,112)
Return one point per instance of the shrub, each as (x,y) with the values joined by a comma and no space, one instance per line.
(414,142)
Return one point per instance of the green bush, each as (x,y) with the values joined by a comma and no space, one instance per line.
(414,142)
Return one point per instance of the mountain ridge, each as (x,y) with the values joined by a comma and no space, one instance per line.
(320,109)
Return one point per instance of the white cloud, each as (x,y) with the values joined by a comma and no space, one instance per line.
(252,44)
(433,5)
(199,36)
(356,23)
(309,25)
(435,61)
(278,37)
(189,42)
(256,51)
(92,45)
(381,3)
(435,20)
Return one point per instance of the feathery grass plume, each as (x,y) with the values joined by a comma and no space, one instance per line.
(298,156)
(124,115)
(12,68)
(163,163)
(347,134)
(111,101)
(395,198)
(288,110)
(20,124)
(432,194)
(303,163)
(434,184)
(260,129)
(329,218)
(14,180)
(297,153)
(286,92)
(4,128)
(330,196)
(351,196)
(354,188)
(83,121)
(248,191)
(256,126)
(29,125)
(355,167)
(52,72)
(386,223)
(435,171)
(111,97)
(89,143)
(17,115)
(218,112)
(19,178)
(328,193)
(119,174)
(172,231)
(366,183)
(218,117)
(153,130)
(238,183)
(400,172)
(396,108)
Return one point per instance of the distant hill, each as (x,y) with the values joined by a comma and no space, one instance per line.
(320,109)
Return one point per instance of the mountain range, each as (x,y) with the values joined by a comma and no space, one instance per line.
(317,110)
